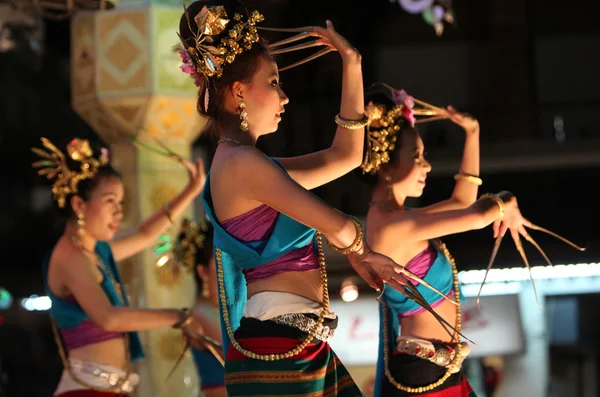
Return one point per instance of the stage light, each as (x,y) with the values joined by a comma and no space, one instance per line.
(162,261)
(36,303)
(5,299)
(349,290)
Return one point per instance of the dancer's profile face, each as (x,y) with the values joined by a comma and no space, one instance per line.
(103,211)
(410,168)
(264,98)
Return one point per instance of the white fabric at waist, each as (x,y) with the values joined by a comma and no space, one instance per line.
(67,383)
(268,304)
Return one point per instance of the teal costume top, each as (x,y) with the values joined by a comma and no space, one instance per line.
(67,313)
(287,235)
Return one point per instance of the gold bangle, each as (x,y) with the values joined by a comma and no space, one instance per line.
(351,124)
(469,178)
(167,212)
(498,201)
(356,244)
(185,318)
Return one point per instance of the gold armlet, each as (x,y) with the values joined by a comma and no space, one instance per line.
(498,201)
(356,244)
(468,178)
(351,124)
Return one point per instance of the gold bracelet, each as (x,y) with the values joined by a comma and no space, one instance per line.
(168,214)
(356,244)
(469,178)
(498,201)
(351,124)
(186,318)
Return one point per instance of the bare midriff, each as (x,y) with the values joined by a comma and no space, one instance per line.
(425,326)
(305,283)
(110,352)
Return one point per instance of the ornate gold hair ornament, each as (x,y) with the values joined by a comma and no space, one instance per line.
(210,54)
(384,125)
(54,166)
(185,249)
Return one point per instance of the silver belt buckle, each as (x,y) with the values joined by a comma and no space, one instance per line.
(305,324)
(426,350)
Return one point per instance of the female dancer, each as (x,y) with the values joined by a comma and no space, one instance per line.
(195,251)
(95,329)
(418,355)
(270,268)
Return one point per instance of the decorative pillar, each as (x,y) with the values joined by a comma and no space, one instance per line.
(126,83)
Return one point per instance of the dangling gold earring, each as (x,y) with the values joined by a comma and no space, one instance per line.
(243,116)
(390,188)
(80,225)
(205,290)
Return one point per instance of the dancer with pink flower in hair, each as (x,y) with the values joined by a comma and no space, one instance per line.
(419,354)
(420,351)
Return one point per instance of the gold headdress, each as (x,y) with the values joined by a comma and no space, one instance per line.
(384,125)
(210,53)
(185,249)
(54,166)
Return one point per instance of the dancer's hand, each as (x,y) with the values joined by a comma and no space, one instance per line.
(377,269)
(193,329)
(196,174)
(331,38)
(465,120)
(513,220)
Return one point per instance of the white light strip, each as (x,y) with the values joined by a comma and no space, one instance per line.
(538,272)
(472,290)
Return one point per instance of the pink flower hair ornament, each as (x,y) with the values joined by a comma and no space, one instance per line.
(400,97)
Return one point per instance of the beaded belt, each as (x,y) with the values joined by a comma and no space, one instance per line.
(306,324)
(442,355)
(112,379)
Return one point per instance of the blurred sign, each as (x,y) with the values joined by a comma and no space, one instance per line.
(496,328)
(356,338)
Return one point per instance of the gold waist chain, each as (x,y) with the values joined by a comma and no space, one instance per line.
(307,340)
(457,357)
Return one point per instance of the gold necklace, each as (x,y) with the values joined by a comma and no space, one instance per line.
(310,336)
(59,342)
(386,349)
